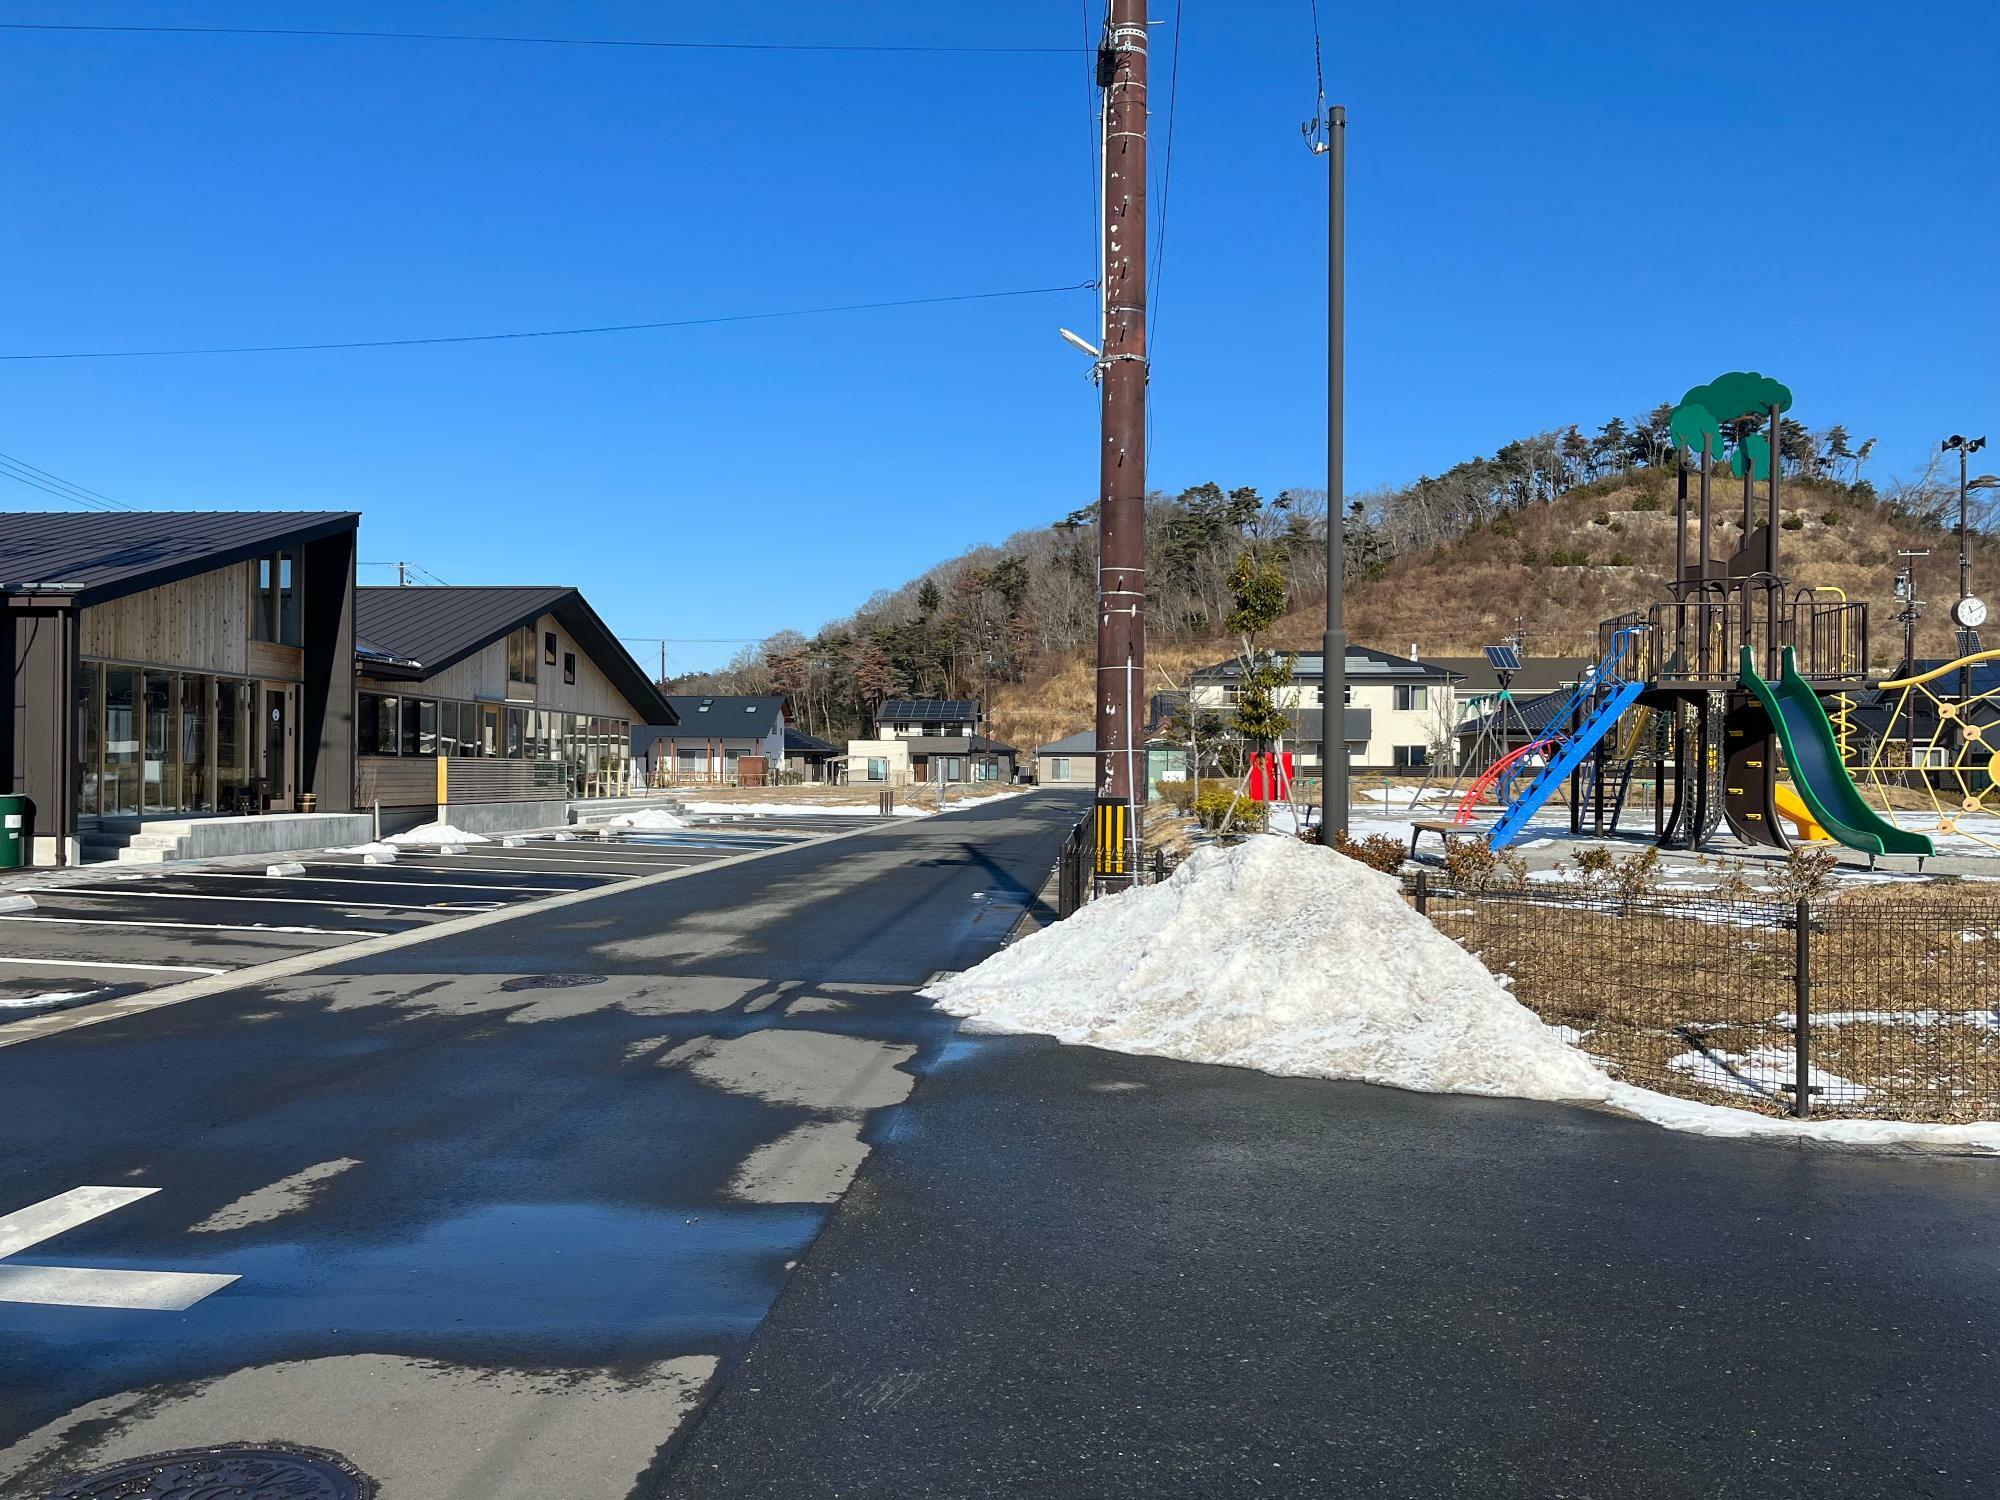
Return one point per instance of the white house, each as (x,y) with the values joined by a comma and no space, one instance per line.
(1400,713)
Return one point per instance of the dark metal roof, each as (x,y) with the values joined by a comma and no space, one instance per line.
(1537,674)
(1534,714)
(798,742)
(754,714)
(1364,663)
(926,711)
(96,556)
(436,628)
(1083,742)
(955,744)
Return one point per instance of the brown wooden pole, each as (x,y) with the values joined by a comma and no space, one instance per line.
(1121,520)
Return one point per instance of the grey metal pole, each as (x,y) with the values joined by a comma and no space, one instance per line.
(1802,1011)
(1333,681)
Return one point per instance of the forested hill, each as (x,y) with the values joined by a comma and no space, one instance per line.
(1546,536)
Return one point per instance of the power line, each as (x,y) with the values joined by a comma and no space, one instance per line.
(534,41)
(1318,121)
(553,333)
(26,473)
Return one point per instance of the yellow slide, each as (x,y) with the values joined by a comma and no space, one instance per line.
(1796,813)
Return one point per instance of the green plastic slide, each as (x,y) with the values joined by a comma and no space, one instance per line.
(1814,756)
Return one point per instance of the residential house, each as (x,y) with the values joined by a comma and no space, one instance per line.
(808,758)
(1478,687)
(1400,711)
(1072,761)
(491,708)
(168,665)
(928,740)
(715,741)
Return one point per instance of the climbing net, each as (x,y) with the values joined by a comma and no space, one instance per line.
(1942,748)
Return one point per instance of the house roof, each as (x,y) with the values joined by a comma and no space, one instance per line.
(1083,742)
(926,711)
(96,556)
(1364,664)
(416,633)
(798,742)
(725,716)
(1538,674)
(1535,714)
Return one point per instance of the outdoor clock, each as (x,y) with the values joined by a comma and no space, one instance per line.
(1969,612)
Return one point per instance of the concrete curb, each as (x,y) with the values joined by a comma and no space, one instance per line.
(13,1033)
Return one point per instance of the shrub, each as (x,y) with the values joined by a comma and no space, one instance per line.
(1503,526)
(1602,518)
(1378,851)
(1530,558)
(1793,522)
(1646,502)
(1808,872)
(1831,518)
(1568,557)
(1634,875)
(1176,794)
(1469,864)
(1593,865)
(1620,560)
(1219,801)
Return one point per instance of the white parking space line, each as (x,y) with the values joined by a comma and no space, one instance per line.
(550,859)
(480,866)
(80,1286)
(359,932)
(391,883)
(150,895)
(90,963)
(594,869)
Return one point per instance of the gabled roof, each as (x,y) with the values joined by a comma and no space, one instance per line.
(434,628)
(1364,664)
(1083,742)
(798,742)
(1538,674)
(926,711)
(95,556)
(751,715)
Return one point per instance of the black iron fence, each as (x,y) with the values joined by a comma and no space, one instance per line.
(1871,1005)
(1076,863)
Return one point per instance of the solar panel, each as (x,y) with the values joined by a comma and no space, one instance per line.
(1503,658)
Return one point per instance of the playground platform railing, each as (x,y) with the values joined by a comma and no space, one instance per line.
(1876,1005)
(1699,639)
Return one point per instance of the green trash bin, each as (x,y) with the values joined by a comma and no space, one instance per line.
(17,831)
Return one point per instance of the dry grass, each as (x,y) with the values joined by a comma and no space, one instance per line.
(1903,998)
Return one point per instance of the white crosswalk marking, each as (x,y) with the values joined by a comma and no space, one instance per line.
(82,1286)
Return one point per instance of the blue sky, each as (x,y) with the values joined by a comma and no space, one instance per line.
(1557,213)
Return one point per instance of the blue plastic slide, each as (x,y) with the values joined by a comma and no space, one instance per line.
(1613,695)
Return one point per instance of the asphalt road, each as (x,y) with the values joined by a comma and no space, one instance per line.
(498,1204)
(643,1197)
(1067,1272)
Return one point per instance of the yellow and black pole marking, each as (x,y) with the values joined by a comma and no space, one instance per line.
(1111,834)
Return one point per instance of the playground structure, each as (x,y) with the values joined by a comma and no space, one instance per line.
(1942,748)
(1713,681)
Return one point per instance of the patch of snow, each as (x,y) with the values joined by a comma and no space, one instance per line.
(649,819)
(388,850)
(1762,1071)
(53,997)
(1279,956)
(434,835)
(1284,957)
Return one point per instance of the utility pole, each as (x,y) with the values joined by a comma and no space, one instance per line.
(1121,515)
(1966,614)
(402,575)
(1333,660)
(1906,590)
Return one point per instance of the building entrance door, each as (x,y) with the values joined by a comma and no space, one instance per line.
(277,752)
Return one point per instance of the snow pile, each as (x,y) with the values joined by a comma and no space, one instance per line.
(1277,956)
(648,820)
(432,835)
(382,850)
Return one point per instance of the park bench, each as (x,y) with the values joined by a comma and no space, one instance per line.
(1446,832)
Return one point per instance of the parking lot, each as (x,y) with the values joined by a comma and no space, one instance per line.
(102,932)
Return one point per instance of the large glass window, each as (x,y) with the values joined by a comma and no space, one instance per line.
(517,732)
(162,785)
(232,739)
(378,724)
(1408,697)
(121,741)
(197,693)
(522,658)
(276,614)
(878,768)
(89,738)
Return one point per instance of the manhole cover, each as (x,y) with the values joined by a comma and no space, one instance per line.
(550,981)
(268,1472)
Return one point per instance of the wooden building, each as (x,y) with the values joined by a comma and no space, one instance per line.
(486,707)
(164,664)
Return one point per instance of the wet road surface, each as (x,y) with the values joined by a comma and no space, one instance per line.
(497,1204)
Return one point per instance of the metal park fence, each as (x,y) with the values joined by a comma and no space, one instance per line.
(1873,1004)
(1076,865)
